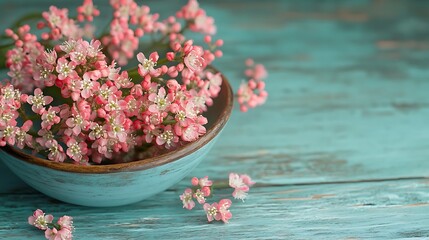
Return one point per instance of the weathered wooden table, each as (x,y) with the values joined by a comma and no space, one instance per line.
(339,151)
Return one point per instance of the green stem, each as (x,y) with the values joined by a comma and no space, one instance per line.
(54,225)
(169,122)
(55,128)
(133,74)
(222,184)
(32,133)
(162,61)
(23,115)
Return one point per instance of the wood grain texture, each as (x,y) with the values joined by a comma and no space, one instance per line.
(348,104)
(379,210)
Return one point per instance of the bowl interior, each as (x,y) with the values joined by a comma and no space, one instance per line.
(217,115)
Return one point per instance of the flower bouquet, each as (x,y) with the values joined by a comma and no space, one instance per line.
(74,95)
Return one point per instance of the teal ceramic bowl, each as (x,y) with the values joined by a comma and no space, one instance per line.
(123,183)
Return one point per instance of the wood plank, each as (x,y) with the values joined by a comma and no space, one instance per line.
(377,210)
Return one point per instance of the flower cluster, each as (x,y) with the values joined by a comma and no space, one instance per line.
(69,99)
(202,189)
(252,93)
(53,231)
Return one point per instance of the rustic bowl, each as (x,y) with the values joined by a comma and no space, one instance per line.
(123,183)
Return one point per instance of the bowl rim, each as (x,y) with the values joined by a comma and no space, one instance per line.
(143,164)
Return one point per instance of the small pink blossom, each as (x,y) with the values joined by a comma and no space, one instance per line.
(88,87)
(218,211)
(205,182)
(160,101)
(167,138)
(147,65)
(241,185)
(22,138)
(66,222)
(117,127)
(56,152)
(192,132)
(76,124)
(199,195)
(77,151)
(194,61)
(65,69)
(50,117)
(215,81)
(195,181)
(206,191)
(186,198)
(55,234)
(40,220)
(223,208)
(212,212)
(87,11)
(38,101)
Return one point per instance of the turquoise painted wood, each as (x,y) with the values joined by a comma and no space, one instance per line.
(340,150)
(375,210)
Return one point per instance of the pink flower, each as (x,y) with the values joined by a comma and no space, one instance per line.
(56,152)
(147,65)
(66,222)
(167,138)
(247,180)
(39,220)
(199,195)
(212,212)
(97,131)
(117,127)
(77,151)
(206,190)
(8,134)
(78,54)
(55,234)
(223,209)
(88,87)
(65,69)
(76,124)
(241,185)
(218,211)
(194,181)
(87,11)
(205,182)
(194,61)
(38,101)
(215,81)
(50,117)
(186,198)
(160,100)
(192,132)
(22,138)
